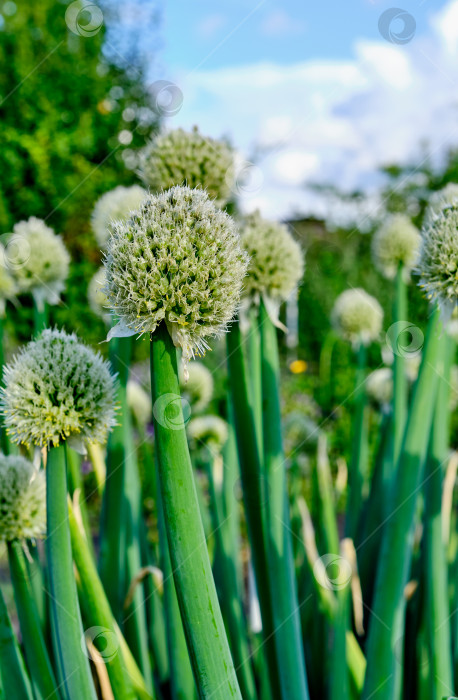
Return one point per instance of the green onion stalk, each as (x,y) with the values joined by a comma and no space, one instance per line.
(124,675)
(112,563)
(400,384)
(204,629)
(358,319)
(174,270)
(254,493)
(437,609)
(227,569)
(384,673)
(359,456)
(36,653)
(181,676)
(280,555)
(73,669)
(13,673)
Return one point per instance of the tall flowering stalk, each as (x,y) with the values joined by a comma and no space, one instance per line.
(22,518)
(276,266)
(175,270)
(395,249)
(58,391)
(358,318)
(437,268)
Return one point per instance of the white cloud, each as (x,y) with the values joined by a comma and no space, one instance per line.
(332,121)
(446,25)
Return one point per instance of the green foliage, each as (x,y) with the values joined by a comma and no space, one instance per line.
(63,102)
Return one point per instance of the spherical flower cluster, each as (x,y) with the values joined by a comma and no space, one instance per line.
(39,260)
(115,205)
(57,389)
(357,316)
(197,388)
(439,200)
(438,263)
(208,431)
(177,260)
(379,386)
(276,259)
(7,283)
(188,158)
(396,243)
(97,297)
(22,499)
(139,402)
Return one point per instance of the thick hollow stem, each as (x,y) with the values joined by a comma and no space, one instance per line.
(204,629)
(112,563)
(13,674)
(97,612)
(73,670)
(282,575)
(34,644)
(254,494)
(384,660)
(437,609)
(358,463)
(181,677)
(400,387)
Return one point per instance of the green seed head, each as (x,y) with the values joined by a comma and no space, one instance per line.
(438,263)
(197,388)
(439,200)
(115,205)
(22,499)
(357,316)
(276,259)
(208,431)
(139,402)
(178,260)
(56,389)
(41,260)
(187,158)
(97,297)
(396,243)
(379,386)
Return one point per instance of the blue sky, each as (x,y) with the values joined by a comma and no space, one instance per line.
(313,92)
